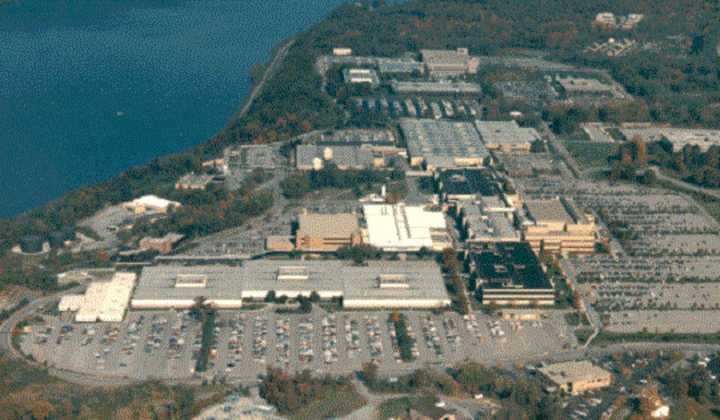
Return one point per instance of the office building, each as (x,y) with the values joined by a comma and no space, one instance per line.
(577,377)
(193,182)
(437,88)
(361,76)
(327,232)
(578,86)
(315,157)
(443,144)
(449,62)
(401,228)
(509,273)
(466,184)
(506,136)
(558,226)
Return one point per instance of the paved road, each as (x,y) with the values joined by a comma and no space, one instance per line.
(685,185)
(279,57)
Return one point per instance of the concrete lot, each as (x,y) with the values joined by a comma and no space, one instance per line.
(702,322)
(619,296)
(162,344)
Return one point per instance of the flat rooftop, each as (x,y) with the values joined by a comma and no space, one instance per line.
(339,225)
(341,155)
(509,265)
(436,87)
(403,227)
(356,137)
(583,85)
(468,182)
(549,211)
(505,133)
(575,371)
(423,278)
(431,138)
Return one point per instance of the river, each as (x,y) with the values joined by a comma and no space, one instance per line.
(89,88)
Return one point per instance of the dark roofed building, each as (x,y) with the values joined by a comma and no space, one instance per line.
(467,184)
(510,273)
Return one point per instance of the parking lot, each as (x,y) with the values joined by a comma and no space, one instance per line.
(164,344)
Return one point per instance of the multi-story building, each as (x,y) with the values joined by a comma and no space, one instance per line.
(557,226)
(327,232)
(449,62)
(509,273)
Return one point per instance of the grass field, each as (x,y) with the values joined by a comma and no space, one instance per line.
(398,407)
(333,404)
(589,155)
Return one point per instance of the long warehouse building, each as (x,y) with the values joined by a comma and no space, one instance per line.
(378,284)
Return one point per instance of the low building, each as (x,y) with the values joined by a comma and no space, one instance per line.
(605,20)
(361,76)
(659,409)
(279,243)
(342,52)
(577,377)
(150,204)
(180,287)
(679,137)
(327,232)
(443,144)
(103,301)
(193,181)
(163,245)
(376,284)
(558,226)
(578,86)
(466,184)
(449,62)
(506,136)
(509,273)
(401,228)
(399,66)
(437,88)
(380,142)
(487,221)
(315,157)
(246,157)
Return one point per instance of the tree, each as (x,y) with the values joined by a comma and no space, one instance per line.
(369,373)
(295,186)
(305,304)
(537,146)
(271,296)
(314,297)
(199,306)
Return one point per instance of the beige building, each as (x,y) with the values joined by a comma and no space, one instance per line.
(193,182)
(559,227)
(327,232)
(577,377)
(162,245)
(449,62)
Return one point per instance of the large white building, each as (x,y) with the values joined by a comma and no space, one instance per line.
(402,228)
(150,203)
(103,301)
(377,284)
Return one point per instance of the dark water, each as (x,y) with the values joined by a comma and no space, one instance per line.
(91,87)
